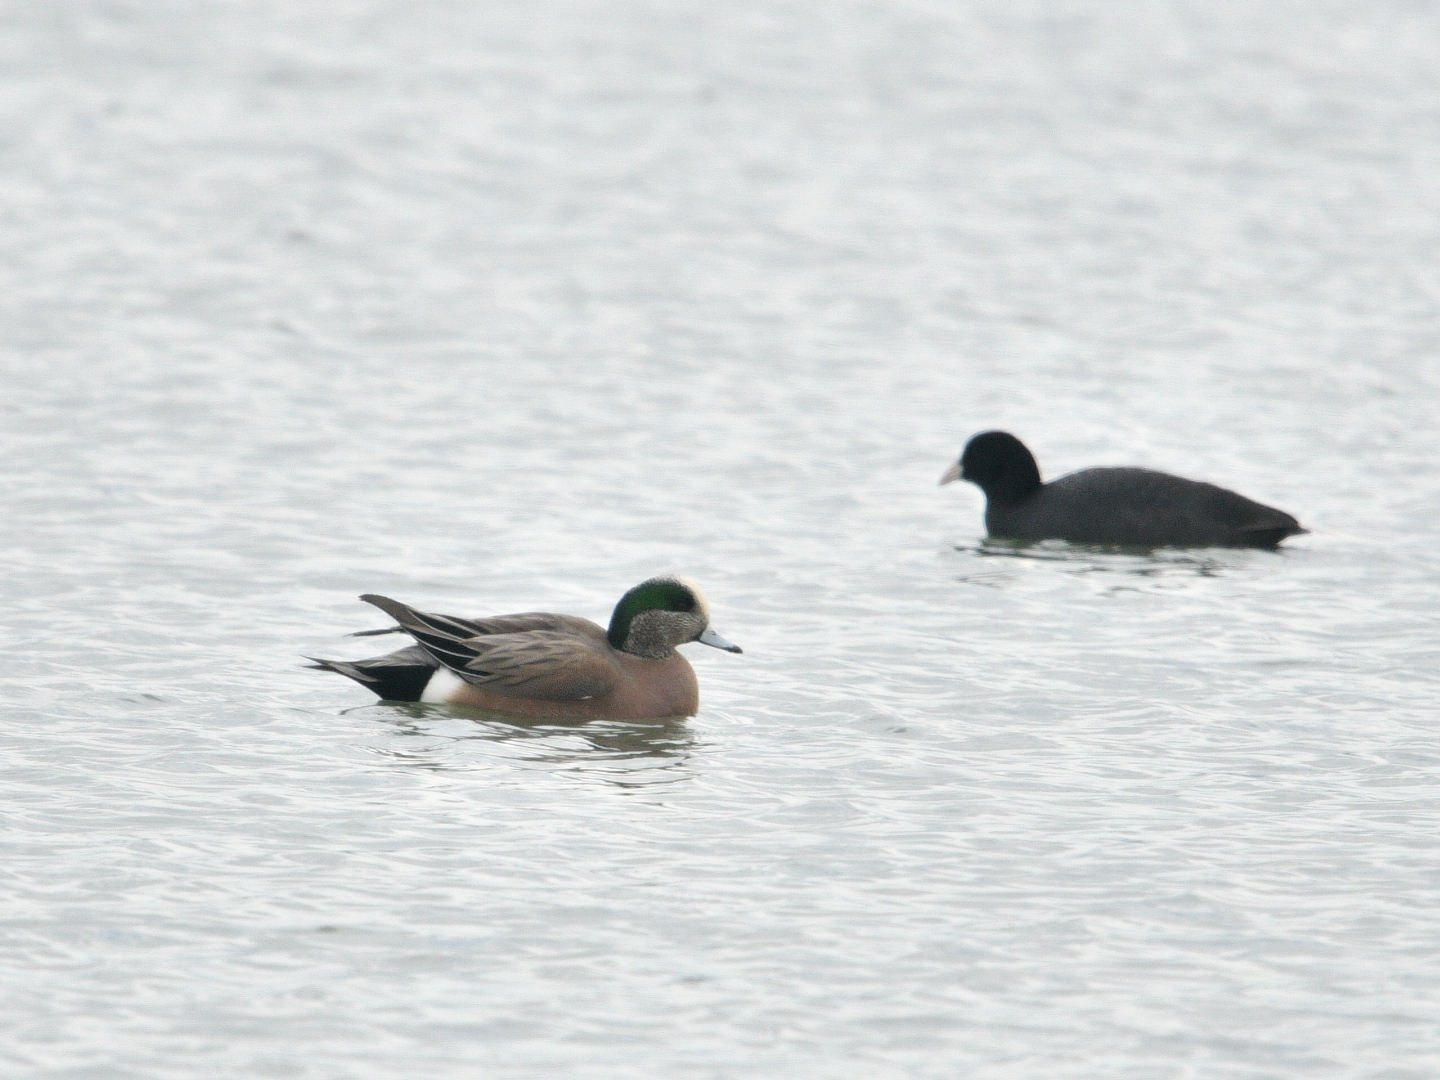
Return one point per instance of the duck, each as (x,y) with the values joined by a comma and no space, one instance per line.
(538,665)
(1128,507)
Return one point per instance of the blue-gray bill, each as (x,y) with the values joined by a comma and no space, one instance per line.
(710,637)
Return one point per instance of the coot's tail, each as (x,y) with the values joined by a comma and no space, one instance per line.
(1270,529)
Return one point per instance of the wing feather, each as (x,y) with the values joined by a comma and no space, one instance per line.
(532,655)
(539,664)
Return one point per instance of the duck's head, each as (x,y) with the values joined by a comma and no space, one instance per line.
(659,614)
(998,464)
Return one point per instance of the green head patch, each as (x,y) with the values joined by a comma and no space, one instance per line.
(657,594)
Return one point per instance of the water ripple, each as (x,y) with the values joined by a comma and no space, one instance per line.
(494,308)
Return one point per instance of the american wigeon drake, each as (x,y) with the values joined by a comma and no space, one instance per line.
(538,665)
(1131,507)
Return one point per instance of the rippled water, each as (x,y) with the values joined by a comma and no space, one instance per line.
(494,306)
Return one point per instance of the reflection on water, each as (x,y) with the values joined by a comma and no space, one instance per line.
(1163,565)
(628,754)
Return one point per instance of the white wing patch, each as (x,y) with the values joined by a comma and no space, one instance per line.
(441,685)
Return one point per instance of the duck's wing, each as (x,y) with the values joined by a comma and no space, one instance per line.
(545,664)
(453,624)
(532,655)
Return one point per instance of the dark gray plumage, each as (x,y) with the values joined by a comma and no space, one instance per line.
(1130,507)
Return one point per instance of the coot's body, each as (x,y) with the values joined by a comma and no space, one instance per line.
(1131,507)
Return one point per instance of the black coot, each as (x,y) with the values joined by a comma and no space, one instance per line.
(1136,507)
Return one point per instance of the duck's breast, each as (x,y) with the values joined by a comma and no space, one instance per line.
(651,689)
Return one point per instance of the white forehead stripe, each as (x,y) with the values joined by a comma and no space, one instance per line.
(701,603)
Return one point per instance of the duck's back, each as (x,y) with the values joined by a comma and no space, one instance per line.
(1140,507)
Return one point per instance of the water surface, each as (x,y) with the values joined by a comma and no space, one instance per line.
(495,307)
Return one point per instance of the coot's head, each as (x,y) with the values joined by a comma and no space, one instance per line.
(999,465)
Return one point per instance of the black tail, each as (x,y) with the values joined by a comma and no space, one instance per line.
(400,676)
(1269,533)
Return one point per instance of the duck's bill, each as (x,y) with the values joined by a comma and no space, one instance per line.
(951,475)
(709,637)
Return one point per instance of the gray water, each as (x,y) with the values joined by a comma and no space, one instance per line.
(495,306)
